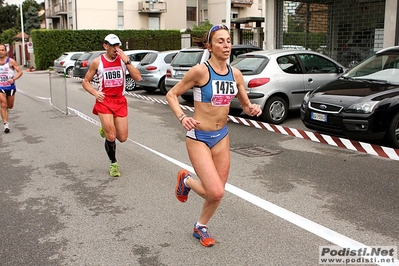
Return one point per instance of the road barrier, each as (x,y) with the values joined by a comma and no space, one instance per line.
(58,92)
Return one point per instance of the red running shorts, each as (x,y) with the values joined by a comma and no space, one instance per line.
(111,105)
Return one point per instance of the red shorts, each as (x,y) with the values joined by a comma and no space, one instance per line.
(111,105)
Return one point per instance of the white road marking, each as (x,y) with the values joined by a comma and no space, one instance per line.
(310,226)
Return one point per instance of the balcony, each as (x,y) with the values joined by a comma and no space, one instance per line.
(152,6)
(57,10)
(242,3)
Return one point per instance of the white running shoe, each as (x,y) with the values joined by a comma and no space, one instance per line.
(6,127)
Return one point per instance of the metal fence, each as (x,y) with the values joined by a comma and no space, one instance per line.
(58,92)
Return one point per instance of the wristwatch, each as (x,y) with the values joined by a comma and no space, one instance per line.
(128,62)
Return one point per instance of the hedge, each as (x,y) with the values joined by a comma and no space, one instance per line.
(50,44)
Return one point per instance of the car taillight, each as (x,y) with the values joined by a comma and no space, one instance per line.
(62,63)
(168,73)
(151,68)
(84,63)
(257,82)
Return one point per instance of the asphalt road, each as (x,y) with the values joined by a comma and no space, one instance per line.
(286,197)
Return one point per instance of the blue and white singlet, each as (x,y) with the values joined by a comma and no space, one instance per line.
(219,90)
(6,73)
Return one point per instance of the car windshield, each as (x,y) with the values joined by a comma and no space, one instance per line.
(149,59)
(377,68)
(62,57)
(187,58)
(84,56)
(250,65)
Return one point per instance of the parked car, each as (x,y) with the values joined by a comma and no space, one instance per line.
(363,104)
(153,70)
(323,49)
(192,56)
(359,47)
(83,63)
(277,80)
(290,46)
(64,64)
(135,56)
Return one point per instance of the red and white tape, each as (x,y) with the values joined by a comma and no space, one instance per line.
(353,145)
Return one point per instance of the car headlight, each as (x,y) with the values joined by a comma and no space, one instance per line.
(306,98)
(362,108)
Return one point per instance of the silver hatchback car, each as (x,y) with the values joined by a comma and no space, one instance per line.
(278,80)
(153,70)
(135,56)
(65,63)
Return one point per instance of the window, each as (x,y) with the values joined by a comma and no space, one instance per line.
(70,23)
(153,23)
(120,15)
(169,58)
(120,22)
(205,15)
(317,64)
(289,64)
(191,13)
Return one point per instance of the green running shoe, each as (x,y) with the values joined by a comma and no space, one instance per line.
(114,170)
(102,133)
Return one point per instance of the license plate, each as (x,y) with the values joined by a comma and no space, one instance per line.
(318,117)
(180,72)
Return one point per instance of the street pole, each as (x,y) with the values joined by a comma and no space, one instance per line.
(228,11)
(23,37)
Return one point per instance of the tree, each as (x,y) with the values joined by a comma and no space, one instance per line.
(32,20)
(25,8)
(6,36)
(8,17)
(27,4)
(206,26)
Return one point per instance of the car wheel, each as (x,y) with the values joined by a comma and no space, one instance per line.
(392,134)
(353,63)
(95,79)
(162,87)
(275,110)
(149,89)
(235,111)
(69,71)
(130,83)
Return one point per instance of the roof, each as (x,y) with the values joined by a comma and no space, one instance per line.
(19,36)
(389,49)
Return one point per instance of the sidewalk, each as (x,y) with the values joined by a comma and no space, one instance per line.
(33,70)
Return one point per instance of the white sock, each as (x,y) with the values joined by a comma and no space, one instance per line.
(185,179)
(200,225)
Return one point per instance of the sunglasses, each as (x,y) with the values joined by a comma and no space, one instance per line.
(215,28)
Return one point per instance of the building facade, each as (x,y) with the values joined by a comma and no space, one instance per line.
(346,30)
(114,14)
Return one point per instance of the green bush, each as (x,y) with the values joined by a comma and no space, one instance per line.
(299,38)
(50,44)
